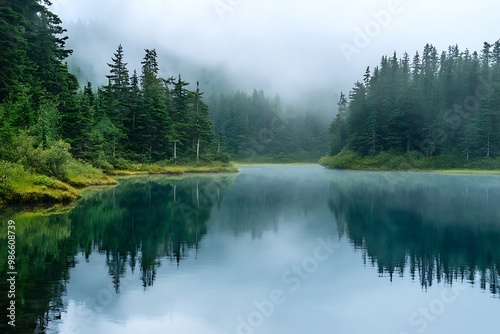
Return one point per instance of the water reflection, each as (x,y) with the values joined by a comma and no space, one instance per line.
(262,197)
(146,219)
(44,254)
(434,227)
(134,225)
(254,226)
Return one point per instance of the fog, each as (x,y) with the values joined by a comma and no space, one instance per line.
(301,50)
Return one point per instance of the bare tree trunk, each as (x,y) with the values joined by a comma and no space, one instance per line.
(198,150)
(175,152)
(488,149)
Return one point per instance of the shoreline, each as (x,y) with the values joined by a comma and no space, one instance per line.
(433,171)
(41,190)
(411,162)
(249,164)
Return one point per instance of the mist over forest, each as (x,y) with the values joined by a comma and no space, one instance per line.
(91,87)
(258,96)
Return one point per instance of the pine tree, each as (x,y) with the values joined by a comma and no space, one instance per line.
(153,122)
(118,87)
(338,128)
(132,120)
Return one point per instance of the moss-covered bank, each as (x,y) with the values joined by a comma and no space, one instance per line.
(19,186)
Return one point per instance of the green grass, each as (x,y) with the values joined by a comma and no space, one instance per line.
(411,161)
(81,174)
(168,169)
(18,186)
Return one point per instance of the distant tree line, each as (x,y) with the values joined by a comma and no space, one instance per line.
(253,126)
(435,104)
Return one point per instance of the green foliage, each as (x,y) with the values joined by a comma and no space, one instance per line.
(46,128)
(484,164)
(220,156)
(344,160)
(8,173)
(46,181)
(55,159)
(123,164)
(21,186)
(51,161)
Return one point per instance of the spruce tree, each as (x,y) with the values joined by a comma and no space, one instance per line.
(153,121)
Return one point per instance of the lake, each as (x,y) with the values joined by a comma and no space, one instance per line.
(274,249)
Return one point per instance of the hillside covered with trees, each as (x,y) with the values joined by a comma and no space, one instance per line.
(52,130)
(436,110)
(56,127)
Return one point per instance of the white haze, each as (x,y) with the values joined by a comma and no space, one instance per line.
(288,47)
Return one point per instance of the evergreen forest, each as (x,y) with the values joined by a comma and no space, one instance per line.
(444,105)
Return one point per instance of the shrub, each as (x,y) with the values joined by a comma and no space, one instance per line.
(55,159)
(7,173)
(222,157)
(344,160)
(51,161)
(484,163)
(45,181)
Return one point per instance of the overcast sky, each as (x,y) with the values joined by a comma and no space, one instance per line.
(287,47)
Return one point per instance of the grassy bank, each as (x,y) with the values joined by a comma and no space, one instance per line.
(168,169)
(411,161)
(21,186)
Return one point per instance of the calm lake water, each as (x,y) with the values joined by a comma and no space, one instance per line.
(274,249)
